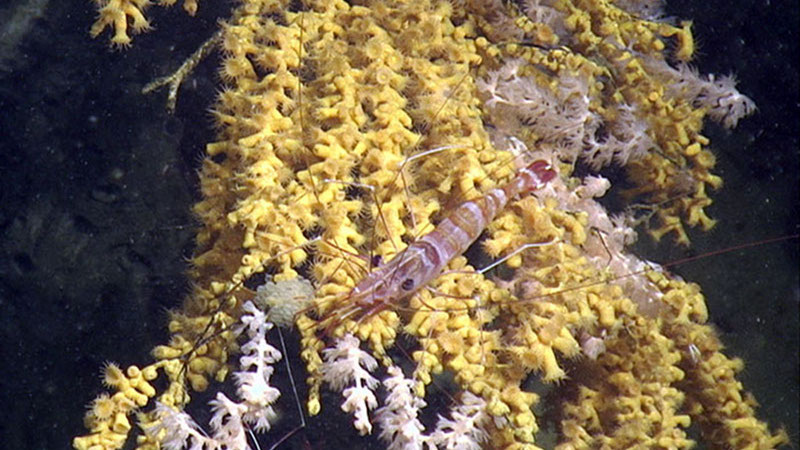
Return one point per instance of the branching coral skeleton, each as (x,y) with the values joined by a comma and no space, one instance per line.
(324,96)
(230,420)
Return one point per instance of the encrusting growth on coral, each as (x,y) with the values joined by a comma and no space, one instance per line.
(128,15)
(325,104)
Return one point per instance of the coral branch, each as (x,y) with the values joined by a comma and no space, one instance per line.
(363,124)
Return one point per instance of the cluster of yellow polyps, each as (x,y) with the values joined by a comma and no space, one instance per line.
(320,111)
(122,14)
(108,417)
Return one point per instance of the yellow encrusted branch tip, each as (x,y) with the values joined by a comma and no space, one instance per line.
(127,16)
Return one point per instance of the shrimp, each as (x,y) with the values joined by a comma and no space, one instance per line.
(424,259)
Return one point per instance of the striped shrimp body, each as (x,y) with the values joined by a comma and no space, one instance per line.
(423,260)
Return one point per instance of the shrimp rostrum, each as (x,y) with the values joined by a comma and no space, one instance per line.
(395,282)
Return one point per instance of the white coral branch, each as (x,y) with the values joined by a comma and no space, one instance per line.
(343,367)
(180,430)
(726,104)
(253,386)
(719,95)
(465,431)
(560,118)
(398,421)
(229,418)
(227,422)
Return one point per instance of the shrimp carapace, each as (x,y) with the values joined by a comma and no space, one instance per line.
(413,268)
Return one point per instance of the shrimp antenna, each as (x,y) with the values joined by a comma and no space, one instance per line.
(296,397)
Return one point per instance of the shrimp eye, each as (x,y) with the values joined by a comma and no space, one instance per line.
(407,284)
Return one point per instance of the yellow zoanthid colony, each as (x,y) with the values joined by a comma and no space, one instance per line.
(349,130)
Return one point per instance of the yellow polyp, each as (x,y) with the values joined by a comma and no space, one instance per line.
(551,371)
(524,420)
(458,363)
(460,321)
(121,424)
(497,408)
(566,344)
(135,396)
(103,407)
(218,288)
(145,388)
(606,314)
(150,372)
(705,159)
(313,406)
(657,45)
(202,365)
(114,377)
(693,149)
(198,382)
(686,47)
